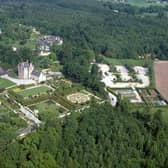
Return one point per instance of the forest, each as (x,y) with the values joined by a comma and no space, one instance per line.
(126,34)
(99,137)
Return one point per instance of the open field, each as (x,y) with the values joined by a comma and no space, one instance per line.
(161,69)
(4,83)
(33,91)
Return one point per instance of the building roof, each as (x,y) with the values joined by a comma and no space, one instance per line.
(25,64)
(36,73)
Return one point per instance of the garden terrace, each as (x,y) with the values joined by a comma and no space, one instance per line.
(34,91)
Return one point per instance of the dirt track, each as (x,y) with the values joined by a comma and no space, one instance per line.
(161,77)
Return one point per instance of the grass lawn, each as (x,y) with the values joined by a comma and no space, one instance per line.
(138,3)
(48,110)
(4,83)
(56,67)
(48,107)
(13,75)
(164,112)
(143,3)
(129,62)
(33,91)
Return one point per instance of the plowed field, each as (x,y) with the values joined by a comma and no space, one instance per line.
(161,77)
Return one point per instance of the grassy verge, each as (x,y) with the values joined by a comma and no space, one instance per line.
(4,83)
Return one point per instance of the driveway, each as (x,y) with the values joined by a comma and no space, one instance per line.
(19,81)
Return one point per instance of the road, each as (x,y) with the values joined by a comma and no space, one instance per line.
(26,131)
(29,115)
(19,81)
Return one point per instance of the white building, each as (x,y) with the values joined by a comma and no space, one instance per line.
(38,76)
(26,71)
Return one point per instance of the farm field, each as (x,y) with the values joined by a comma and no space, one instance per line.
(4,83)
(161,69)
(33,91)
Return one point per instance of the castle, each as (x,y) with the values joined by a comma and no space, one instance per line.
(26,71)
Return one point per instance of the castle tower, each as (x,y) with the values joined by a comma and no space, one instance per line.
(24,70)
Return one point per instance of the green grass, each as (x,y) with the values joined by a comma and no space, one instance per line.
(13,75)
(4,83)
(48,110)
(48,107)
(138,3)
(164,112)
(56,67)
(129,62)
(34,91)
(143,3)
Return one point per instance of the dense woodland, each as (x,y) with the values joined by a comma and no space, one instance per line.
(126,34)
(101,136)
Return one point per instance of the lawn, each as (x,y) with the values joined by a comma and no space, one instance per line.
(49,107)
(4,83)
(13,75)
(48,110)
(143,3)
(129,62)
(138,3)
(33,91)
